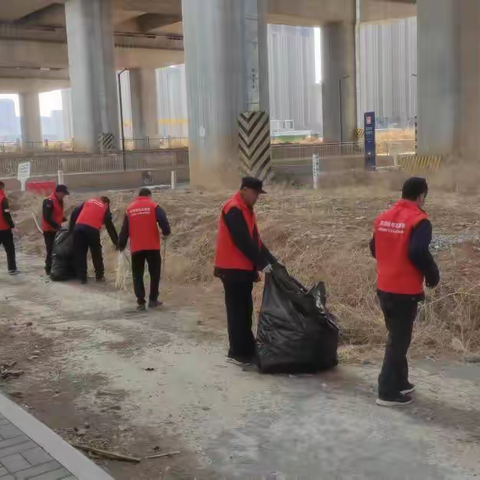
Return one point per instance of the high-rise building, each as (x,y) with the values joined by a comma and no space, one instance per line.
(294,91)
(9,124)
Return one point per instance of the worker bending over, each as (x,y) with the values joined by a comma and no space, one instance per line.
(6,235)
(87,221)
(52,218)
(239,256)
(141,222)
(401,241)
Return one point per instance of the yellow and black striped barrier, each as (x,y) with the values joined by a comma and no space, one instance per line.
(416,164)
(358,134)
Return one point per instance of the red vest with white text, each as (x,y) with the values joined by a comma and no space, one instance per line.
(57,216)
(93,214)
(3,224)
(393,229)
(142,225)
(227,255)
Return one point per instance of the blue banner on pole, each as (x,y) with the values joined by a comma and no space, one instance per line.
(370,144)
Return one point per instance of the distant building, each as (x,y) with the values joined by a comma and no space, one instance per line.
(294,91)
(387,73)
(9,122)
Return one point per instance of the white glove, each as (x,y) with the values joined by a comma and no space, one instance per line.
(267,269)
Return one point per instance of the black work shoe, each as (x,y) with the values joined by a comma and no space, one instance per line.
(101,280)
(83,281)
(399,401)
(154,304)
(409,388)
(141,308)
(14,272)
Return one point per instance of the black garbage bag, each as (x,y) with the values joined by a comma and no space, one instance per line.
(63,262)
(296,333)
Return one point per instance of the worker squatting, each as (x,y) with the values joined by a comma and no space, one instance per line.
(400,245)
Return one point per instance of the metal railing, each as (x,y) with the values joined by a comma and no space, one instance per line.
(155,143)
(117,162)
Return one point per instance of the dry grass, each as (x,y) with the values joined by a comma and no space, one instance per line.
(321,236)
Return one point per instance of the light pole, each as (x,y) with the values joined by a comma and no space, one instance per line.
(122,128)
(340,94)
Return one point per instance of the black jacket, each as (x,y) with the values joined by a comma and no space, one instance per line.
(419,253)
(108,221)
(47,212)
(6,213)
(260,257)
(162,221)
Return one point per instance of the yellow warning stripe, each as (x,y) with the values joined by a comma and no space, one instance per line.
(419,163)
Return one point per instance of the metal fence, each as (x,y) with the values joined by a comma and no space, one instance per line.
(48,165)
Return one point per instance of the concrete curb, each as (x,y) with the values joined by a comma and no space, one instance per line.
(64,453)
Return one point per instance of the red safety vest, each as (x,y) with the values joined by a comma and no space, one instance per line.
(393,229)
(142,225)
(227,255)
(3,224)
(93,214)
(57,214)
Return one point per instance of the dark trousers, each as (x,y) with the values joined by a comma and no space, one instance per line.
(6,239)
(239,303)
(154,261)
(400,312)
(49,238)
(87,238)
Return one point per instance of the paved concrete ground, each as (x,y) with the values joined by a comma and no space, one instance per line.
(170,378)
(29,450)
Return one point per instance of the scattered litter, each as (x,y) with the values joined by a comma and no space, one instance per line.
(474,359)
(105,453)
(162,455)
(150,369)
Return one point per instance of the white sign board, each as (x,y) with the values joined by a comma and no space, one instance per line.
(23,173)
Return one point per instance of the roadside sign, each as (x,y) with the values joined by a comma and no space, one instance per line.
(370,143)
(23,173)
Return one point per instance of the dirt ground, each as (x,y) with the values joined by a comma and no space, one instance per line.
(100,374)
(103,375)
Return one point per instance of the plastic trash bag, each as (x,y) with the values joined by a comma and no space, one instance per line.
(63,261)
(296,333)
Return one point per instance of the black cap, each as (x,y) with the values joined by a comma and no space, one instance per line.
(253,183)
(62,189)
(414,187)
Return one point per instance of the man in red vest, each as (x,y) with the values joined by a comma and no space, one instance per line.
(6,235)
(87,221)
(401,241)
(239,256)
(52,219)
(141,222)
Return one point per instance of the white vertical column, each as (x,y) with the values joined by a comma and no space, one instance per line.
(226,73)
(339,90)
(143,89)
(30,120)
(91,55)
(67,114)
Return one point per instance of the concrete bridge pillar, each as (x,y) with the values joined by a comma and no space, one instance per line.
(449,78)
(91,57)
(339,96)
(30,121)
(226,61)
(143,94)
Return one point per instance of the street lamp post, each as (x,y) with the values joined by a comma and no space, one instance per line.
(340,94)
